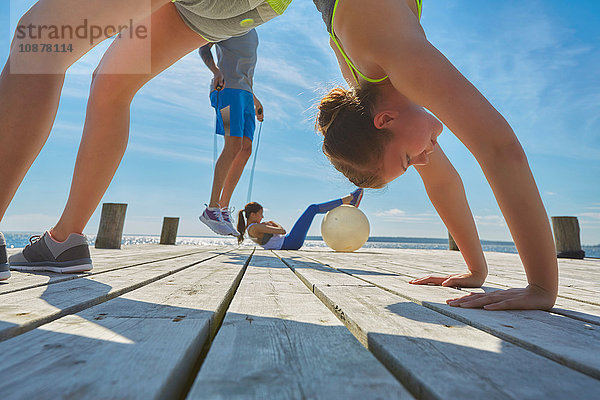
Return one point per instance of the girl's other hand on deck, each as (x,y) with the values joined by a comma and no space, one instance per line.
(530,298)
(467,280)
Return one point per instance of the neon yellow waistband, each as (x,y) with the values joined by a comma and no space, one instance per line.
(279,6)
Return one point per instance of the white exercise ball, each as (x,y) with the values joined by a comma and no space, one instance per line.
(345,228)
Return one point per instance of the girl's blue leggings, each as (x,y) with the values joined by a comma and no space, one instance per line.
(295,238)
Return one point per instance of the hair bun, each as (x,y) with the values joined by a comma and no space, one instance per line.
(331,105)
(351,140)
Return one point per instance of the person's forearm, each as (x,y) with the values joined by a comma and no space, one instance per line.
(277,225)
(208,59)
(510,177)
(447,194)
(257,103)
(450,202)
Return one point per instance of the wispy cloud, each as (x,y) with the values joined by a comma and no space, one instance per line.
(532,79)
(28,222)
(536,64)
(397,215)
(490,220)
(170,154)
(590,216)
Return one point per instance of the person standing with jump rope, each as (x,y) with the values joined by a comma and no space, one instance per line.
(236,106)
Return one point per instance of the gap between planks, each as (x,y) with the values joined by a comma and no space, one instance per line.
(157,304)
(57,278)
(52,314)
(580,306)
(404,338)
(541,349)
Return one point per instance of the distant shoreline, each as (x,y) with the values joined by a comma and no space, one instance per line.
(21,239)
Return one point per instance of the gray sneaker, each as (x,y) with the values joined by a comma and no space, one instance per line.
(46,254)
(4,269)
(212,218)
(228,221)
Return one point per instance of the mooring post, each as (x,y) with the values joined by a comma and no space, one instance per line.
(566,237)
(112,221)
(451,243)
(169,230)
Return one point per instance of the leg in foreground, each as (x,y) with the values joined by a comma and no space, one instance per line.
(105,136)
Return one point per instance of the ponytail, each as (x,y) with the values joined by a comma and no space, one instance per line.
(252,207)
(241,226)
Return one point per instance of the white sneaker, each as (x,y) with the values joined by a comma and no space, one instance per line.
(212,218)
(228,221)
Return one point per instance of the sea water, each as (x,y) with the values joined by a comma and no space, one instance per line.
(21,239)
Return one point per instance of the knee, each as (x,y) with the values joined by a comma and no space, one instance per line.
(245,151)
(232,148)
(29,49)
(113,89)
(313,208)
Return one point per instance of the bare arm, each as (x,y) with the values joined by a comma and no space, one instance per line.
(273,228)
(417,69)
(258,109)
(207,57)
(447,194)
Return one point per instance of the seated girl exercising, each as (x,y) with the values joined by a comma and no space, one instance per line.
(272,236)
(375,131)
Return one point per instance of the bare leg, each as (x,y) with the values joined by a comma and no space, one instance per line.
(235,171)
(107,121)
(232,147)
(30,83)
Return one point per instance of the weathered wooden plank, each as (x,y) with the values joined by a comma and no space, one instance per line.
(448,263)
(585,271)
(279,341)
(433,355)
(585,276)
(578,309)
(104,260)
(140,345)
(570,342)
(25,310)
(574,288)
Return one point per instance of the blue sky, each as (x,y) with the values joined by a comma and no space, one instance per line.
(536,61)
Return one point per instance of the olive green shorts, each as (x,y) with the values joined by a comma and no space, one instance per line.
(217,20)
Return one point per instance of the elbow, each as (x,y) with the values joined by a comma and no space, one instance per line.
(500,149)
(451,183)
(510,152)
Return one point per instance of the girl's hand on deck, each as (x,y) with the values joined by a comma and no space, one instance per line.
(468,280)
(530,298)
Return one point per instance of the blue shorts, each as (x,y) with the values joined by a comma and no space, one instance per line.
(241,112)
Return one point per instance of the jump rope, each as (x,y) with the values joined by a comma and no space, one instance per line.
(251,183)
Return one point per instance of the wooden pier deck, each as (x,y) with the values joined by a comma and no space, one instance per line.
(174,322)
